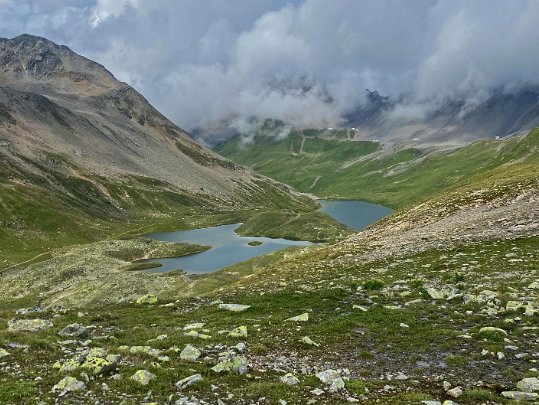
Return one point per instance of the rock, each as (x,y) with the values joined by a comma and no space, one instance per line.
(455,392)
(530,309)
(29,325)
(188,381)
(233,363)
(307,340)
(534,285)
(290,379)
(190,353)
(528,384)
(74,330)
(404,326)
(195,334)
(332,378)
(147,299)
(436,294)
(100,365)
(317,391)
(3,353)
(191,326)
(145,350)
(448,402)
(299,318)
(431,402)
(447,385)
(238,332)
(513,305)
(71,364)
(520,396)
(234,307)
(143,377)
(69,384)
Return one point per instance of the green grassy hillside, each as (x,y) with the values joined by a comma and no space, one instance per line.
(334,168)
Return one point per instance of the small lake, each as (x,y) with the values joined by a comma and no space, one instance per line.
(356,214)
(229,248)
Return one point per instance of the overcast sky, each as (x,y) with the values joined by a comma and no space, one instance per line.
(202,62)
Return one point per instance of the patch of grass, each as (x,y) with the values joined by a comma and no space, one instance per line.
(373,285)
(137,266)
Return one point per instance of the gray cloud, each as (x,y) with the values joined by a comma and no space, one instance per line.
(306,62)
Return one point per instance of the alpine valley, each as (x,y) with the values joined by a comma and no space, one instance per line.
(438,301)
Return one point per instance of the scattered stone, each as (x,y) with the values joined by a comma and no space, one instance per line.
(188,381)
(447,385)
(190,353)
(143,377)
(195,334)
(29,325)
(3,353)
(299,318)
(317,391)
(307,340)
(404,326)
(74,330)
(290,379)
(69,384)
(147,299)
(234,307)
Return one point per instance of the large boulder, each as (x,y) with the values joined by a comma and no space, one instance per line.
(74,330)
(29,325)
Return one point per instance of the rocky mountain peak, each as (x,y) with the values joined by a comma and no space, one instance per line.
(30,59)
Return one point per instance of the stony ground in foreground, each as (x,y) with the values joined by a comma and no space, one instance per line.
(395,331)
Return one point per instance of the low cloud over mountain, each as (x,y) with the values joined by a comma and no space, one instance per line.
(209,64)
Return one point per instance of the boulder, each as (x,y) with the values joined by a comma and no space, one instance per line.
(74,330)
(143,377)
(332,378)
(520,395)
(308,341)
(290,379)
(69,384)
(235,363)
(188,381)
(29,325)
(528,384)
(190,353)
(238,332)
(299,318)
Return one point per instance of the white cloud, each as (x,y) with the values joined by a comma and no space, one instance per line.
(306,61)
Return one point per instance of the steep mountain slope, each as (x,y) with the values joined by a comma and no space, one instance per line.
(328,164)
(83,156)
